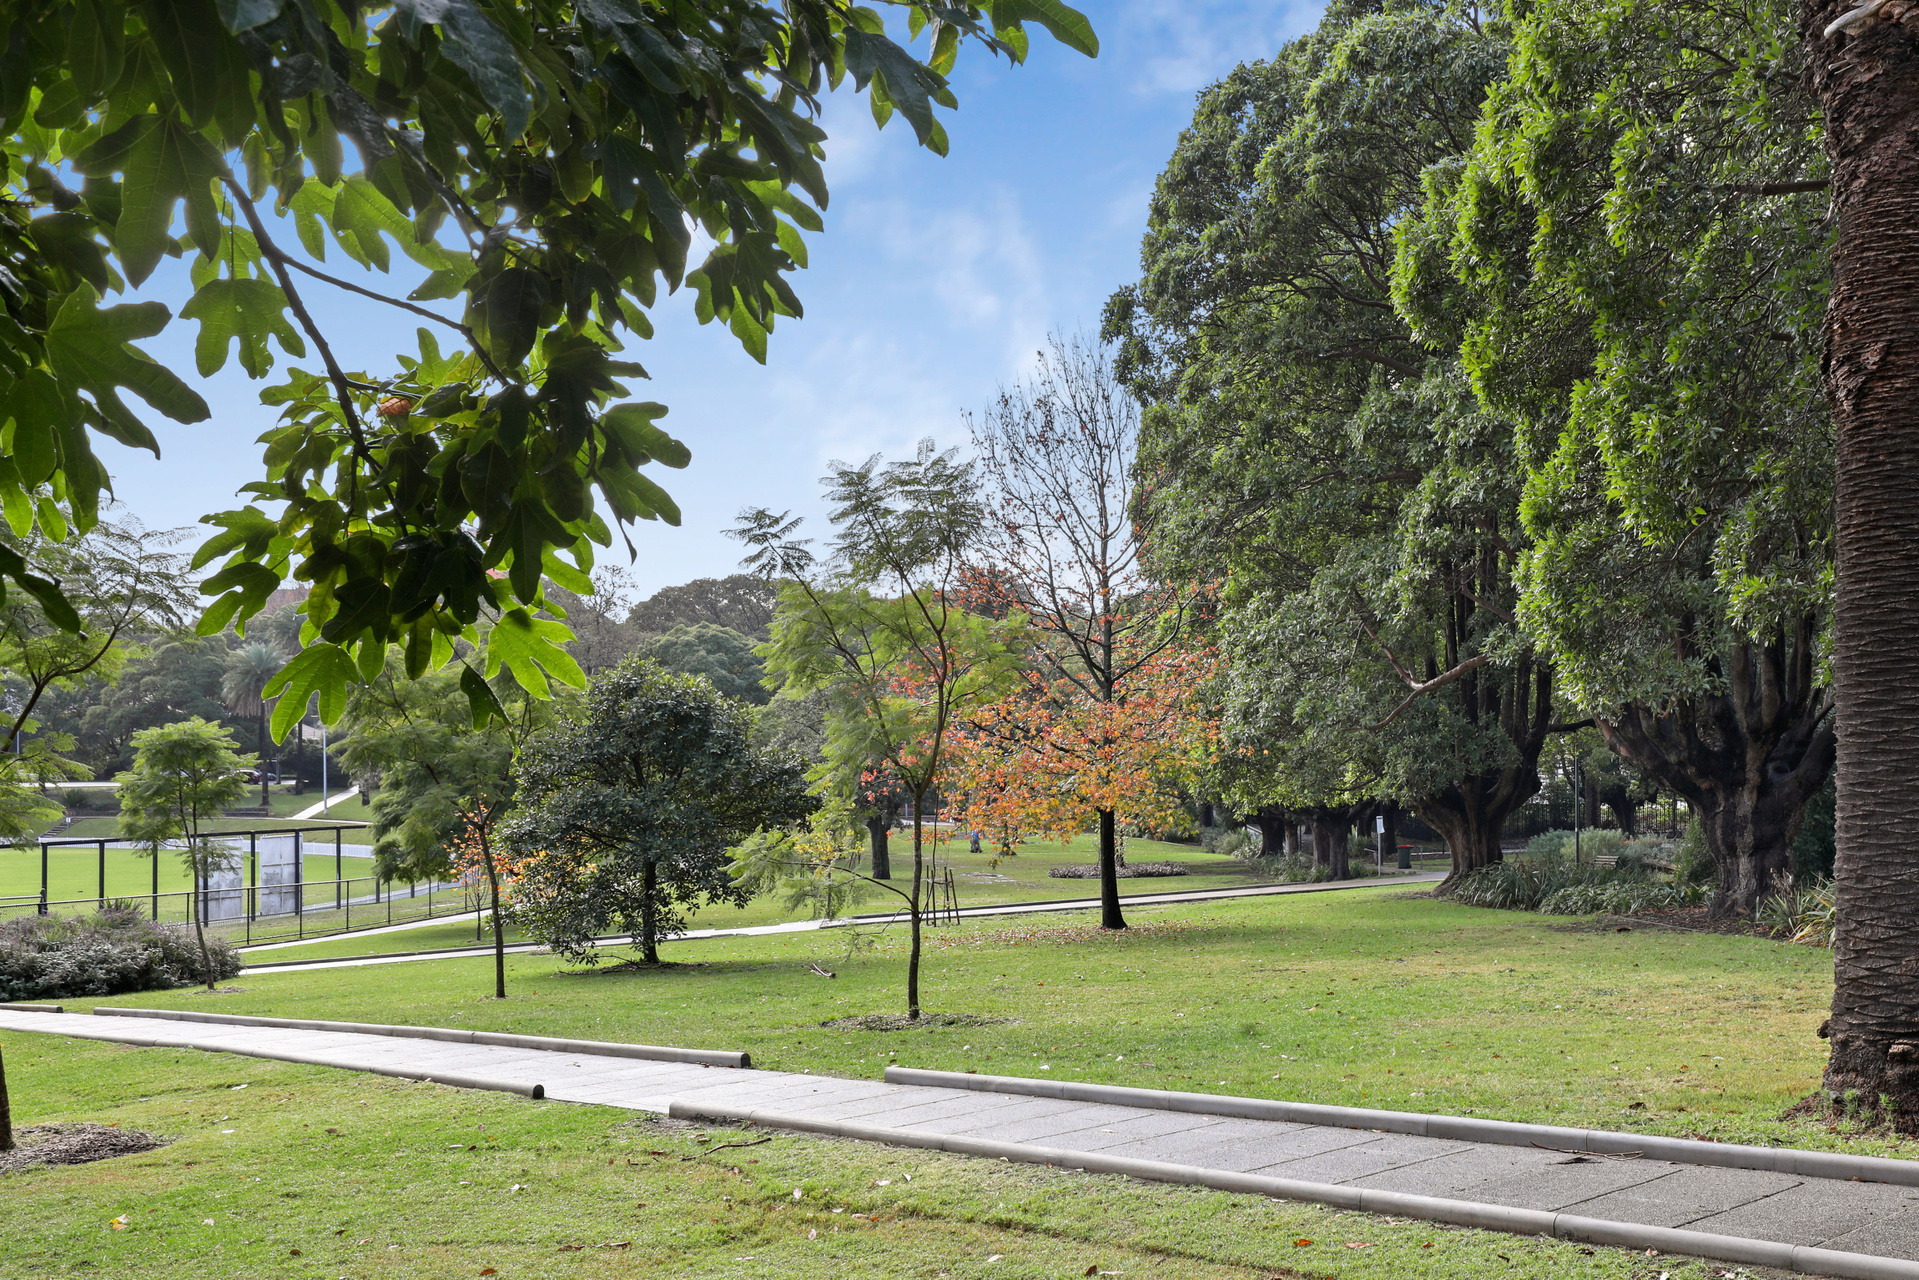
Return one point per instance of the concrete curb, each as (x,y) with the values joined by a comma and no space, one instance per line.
(23,1007)
(455,1035)
(1463,1213)
(1726,1155)
(456,1079)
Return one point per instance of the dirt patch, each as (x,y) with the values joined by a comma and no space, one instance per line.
(220,991)
(925,1022)
(633,966)
(51,1144)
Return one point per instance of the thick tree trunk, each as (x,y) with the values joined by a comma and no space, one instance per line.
(1625,809)
(1471,811)
(878,842)
(1867,81)
(1332,841)
(1746,760)
(650,914)
(1109,912)
(1295,839)
(1272,823)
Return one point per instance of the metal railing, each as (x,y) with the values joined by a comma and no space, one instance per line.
(263,894)
(249,915)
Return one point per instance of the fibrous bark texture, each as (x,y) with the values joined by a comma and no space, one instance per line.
(1747,760)
(1867,83)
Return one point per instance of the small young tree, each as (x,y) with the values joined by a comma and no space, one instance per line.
(445,784)
(183,775)
(627,808)
(883,628)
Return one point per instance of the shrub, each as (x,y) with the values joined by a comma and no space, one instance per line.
(1593,843)
(1090,870)
(1693,864)
(113,951)
(1800,912)
(1522,884)
(1621,896)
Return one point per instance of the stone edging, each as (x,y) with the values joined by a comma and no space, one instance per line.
(456,1079)
(21,1006)
(1729,1155)
(455,1035)
(1463,1213)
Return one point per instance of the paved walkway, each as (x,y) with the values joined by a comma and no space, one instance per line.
(1857,1217)
(315,810)
(805,926)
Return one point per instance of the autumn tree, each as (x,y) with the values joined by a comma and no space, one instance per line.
(1060,546)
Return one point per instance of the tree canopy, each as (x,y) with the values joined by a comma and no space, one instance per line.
(546,165)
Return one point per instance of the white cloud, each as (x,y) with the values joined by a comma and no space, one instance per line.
(1185,47)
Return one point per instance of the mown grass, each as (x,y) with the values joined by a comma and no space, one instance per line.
(308,1172)
(1368,997)
(979,879)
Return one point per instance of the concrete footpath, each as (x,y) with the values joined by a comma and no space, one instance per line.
(806,926)
(1817,1213)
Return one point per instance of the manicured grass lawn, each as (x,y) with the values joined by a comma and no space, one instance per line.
(978,881)
(307,1172)
(1370,997)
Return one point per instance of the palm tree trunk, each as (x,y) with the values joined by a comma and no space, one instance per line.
(1867,81)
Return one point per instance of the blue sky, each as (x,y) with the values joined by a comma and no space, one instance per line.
(934,283)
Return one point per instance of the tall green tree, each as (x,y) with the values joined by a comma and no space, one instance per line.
(1303,446)
(720,654)
(444,783)
(881,626)
(546,164)
(626,809)
(1641,237)
(248,671)
(183,776)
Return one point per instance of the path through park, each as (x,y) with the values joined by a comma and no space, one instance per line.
(1799,1211)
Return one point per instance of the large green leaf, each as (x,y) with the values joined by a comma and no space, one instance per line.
(90,350)
(246,312)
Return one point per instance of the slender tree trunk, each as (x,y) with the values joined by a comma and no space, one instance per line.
(649,913)
(499,933)
(879,843)
(199,908)
(1867,81)
(913,912)
(6,1110)
(1470,812)
(1109,913)
(266,800)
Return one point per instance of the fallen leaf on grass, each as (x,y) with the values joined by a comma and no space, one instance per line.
(1301,1244)
(1357,1244)
(489,1271)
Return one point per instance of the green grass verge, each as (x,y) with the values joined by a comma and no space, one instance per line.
(980,880)
(309,1172)
(1367,997)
